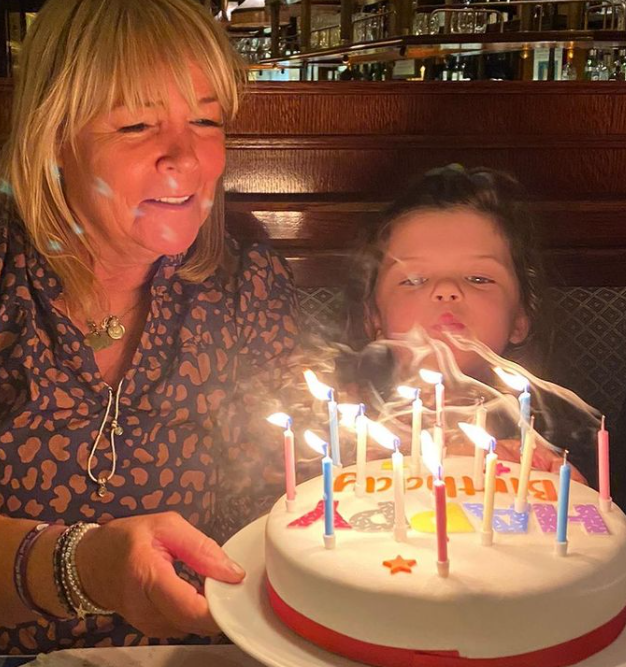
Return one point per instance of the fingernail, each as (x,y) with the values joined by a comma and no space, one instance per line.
(236,568)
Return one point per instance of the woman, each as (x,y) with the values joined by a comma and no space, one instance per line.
(130,327)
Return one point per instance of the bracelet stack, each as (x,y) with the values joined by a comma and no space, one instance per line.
(69,588)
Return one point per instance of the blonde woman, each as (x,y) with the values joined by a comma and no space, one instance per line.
(128,323)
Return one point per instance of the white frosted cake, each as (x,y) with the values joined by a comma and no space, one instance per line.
(513,604)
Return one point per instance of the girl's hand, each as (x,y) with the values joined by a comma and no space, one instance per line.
(127,565)
(543,458)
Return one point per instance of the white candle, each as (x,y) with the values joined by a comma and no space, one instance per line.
(479,436)
(361,451)
(490,495)
(386,438)
(416,427)
(399,516)
(439,440)
(479,452)
(521,499)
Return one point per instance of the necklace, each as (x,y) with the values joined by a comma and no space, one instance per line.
(116,429)
(103,335)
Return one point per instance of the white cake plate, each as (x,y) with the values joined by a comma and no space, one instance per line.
(244,614)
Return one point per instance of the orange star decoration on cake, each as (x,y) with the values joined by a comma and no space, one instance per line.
(399,564)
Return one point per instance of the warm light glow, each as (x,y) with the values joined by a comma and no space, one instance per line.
(382,435)
(280,419)
(513,380)
(477,435)
(409,393)
(316,443)
(430,454)
(320,390)
(349,412)
(432,377)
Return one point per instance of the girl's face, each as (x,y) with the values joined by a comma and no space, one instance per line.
(450,271)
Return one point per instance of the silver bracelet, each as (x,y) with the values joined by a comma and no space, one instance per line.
(81,604)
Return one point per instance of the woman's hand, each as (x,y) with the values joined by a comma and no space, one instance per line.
(543,458)
(127,565)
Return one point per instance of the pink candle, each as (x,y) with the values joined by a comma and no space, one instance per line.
(443,564)
(603,468)
(284,421)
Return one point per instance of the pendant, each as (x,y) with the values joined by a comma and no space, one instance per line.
(115,329)
(98,341)
(102,487)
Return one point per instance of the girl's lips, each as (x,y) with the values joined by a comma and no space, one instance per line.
(448,322)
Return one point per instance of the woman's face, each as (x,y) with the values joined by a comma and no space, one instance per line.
(450,271)
(143,183)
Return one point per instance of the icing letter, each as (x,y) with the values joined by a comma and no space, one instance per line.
(424,522)
(318,513)
(365,521)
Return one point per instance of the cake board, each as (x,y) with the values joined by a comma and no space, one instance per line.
(244,614)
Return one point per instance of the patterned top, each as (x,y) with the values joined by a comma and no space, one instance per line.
(186,416)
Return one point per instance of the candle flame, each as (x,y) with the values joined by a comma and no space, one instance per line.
(320,390)
(316,443)
(382,435)
(477,435)
(409,393)
(349,412)
(430,454)
(432,377)
(280,419)
(513,380)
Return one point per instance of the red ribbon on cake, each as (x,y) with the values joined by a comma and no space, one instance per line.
(560,655)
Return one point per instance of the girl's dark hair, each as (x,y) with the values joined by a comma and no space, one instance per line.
(491,193)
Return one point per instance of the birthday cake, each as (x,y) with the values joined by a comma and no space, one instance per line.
(513,604)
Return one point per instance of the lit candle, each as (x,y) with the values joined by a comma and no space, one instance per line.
(416,426)
(321,447)
(386,438)
(439,440)
(565,474)
(432,377)
(519,383)
(479,452)
(353,416)
(284,421)
(323,392)
(521,499)
(603,468)
(431,460)
(361,451)
(483,441)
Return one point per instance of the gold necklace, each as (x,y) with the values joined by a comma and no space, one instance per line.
(103,335)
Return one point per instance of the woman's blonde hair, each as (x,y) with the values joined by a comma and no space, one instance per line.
(81,58)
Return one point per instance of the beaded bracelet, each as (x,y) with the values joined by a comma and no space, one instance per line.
(57,567)
(69,580)
(20,566)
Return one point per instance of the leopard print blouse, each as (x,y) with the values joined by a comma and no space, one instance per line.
(187,422)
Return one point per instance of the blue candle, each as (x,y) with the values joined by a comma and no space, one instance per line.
(524,411)
(565,474)
(329,512)
(333,427)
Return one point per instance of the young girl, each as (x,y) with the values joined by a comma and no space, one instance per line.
(454,260)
